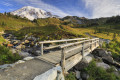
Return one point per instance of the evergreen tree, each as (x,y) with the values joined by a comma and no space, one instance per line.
(3,24)
(114,37)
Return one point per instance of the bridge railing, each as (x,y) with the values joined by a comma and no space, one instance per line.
(89,43)
(56,41)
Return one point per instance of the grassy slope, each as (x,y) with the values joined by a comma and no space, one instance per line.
(11,22)
(52,27)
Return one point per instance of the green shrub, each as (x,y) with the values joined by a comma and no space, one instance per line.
(98,73)
(6,56)
(114,47)
(70,76)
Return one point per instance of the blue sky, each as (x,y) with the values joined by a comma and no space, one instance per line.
(86,8)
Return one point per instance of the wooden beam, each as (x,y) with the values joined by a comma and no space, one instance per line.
(72,61)
(54,41)
(63,61)
(83,49)
(71,44)
(41,48)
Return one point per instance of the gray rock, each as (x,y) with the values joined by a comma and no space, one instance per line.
(83,63)
(6,66)
(104,55)
(103,65)
(28,58)
(24,54)
(87,59)
(20,61)
(77,74)
(84,76)
(100,53)
(13,50)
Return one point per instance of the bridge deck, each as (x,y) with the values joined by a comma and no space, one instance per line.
(55,57)
(25,71)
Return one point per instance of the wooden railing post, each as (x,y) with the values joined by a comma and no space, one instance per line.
(83,49)
(91,45)
(99,43)
(41,48)
(66,42)
(63,61)
(95,42)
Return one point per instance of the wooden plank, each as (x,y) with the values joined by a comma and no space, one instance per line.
(63,61)
(53,58)
(72,44)
(48,60)
(42,49)
(73,49)
(72,61)
(54,41)
(52,47)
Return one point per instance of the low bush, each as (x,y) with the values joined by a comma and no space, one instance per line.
(98,73)
(70,76)
(6,56)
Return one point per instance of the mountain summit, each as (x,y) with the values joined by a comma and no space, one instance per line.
(32,13)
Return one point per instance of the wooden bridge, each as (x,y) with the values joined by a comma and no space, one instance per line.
(65,53)
(70,53)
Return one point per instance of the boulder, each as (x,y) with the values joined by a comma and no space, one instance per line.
(100,53)
(103,65)
(20,61)
(13,51)
(77,74)
(37,53)
(26,41)
(87,59)
(106,57)
(84,76)
(83,63)
(5,66)
(24,54)
(19,46)
(28,58)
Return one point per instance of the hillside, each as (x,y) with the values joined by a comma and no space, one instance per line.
(38,27)
(67,27)
(9,22)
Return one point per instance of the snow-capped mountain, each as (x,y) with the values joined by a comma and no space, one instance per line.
(32,13)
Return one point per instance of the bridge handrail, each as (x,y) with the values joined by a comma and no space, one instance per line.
(72,44)
(55,41)
(67,51)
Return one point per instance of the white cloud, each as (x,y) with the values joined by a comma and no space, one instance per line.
(103,8)
(6,4)
(42,5)
(1,10)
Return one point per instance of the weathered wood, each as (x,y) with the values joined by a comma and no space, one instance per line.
(72,44)
(54,41)
(41,48)
(83,49)
(52,47)
(66,57)
(63,60)
(77,47)
(72,61)
(95,43)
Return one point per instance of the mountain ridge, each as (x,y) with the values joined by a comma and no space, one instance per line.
(32,13)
